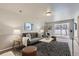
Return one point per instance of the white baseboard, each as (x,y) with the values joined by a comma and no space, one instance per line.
(76,42)
(5,49)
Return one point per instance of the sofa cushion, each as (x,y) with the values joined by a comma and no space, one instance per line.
(33,35)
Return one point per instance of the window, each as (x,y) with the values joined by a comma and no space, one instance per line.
(27,26)
(61,29)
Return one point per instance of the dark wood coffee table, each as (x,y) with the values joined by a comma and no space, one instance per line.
(29,51)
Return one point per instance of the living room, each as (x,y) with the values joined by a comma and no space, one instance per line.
(19,18)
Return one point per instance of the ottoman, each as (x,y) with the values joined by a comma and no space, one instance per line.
(29,51)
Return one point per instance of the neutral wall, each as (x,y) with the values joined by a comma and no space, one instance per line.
(6,37)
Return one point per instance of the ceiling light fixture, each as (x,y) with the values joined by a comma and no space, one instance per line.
(48,13)
(20,11)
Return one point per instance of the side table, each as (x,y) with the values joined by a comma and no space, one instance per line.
(17,44)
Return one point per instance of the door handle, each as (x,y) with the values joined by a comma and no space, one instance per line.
(71,31)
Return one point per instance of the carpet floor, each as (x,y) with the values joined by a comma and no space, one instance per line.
(53,48)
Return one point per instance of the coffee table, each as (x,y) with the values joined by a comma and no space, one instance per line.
(46,40)
(29,51)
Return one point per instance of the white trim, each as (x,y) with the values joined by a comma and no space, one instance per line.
(75,42)
(5,49)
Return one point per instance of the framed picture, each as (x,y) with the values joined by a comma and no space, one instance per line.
(28,26)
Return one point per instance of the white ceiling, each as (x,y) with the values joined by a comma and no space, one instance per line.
(27,9)
(9,13)
(35,11)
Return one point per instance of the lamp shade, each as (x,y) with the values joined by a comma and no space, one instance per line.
(41,31)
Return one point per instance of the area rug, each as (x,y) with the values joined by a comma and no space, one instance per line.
(53,48)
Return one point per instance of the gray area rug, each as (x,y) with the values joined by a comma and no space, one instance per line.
(53,48)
